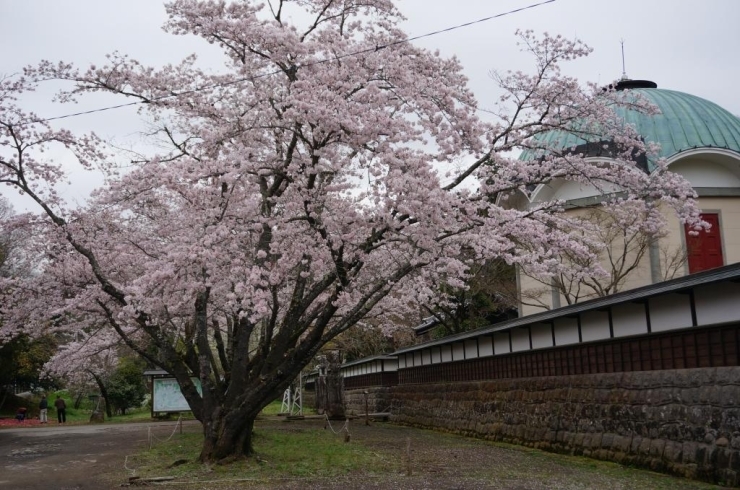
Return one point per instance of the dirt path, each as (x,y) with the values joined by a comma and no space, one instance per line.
(73,457)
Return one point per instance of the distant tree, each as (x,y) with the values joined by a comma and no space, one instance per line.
(488,295)
(15,256)
(619,240)
(14,262)
(22,362)
(364,341)
(85,369)
(126,387)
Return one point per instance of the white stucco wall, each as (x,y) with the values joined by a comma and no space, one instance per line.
(629,319)
(541,335)
(670,312)
(519,339)
(594,326)
(485,346)
(717,303)
(501,343)
(566,331)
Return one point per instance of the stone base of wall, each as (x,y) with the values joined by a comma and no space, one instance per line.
(685,422)
(378,400)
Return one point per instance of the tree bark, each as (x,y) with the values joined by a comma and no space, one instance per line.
(334,386)
(228,437)
(321,398)
(103,393)
(78,400)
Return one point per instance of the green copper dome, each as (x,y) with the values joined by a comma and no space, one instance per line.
(685,122)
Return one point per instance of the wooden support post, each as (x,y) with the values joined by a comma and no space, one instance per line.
(367,412)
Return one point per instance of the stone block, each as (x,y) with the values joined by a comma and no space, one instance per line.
(644,447)
(578,439)
(607,440)
(621,443)
(705,455)
(97,417)
(673,452)
(690,471)
(727,375)
(596,440)
(705,394)
(689,396)
(729,395)
(723,458)
(656,448)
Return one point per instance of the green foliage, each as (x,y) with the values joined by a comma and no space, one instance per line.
(23,358)
(489,297)
(126,386)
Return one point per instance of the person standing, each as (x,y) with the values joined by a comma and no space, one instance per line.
(43,407)
(61,407)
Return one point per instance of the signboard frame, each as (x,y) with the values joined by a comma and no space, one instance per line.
(167,396)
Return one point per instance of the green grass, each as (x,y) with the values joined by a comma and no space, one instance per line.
(273,408)
(137,415)
(82,414)
(295,453)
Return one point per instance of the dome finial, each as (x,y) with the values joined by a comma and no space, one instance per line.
(624,70)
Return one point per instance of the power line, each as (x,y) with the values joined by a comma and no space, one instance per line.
(313,63)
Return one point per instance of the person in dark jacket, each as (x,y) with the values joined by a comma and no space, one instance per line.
(20,414)
(61,407)
(43,410)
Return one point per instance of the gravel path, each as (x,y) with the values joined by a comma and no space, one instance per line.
(71,456)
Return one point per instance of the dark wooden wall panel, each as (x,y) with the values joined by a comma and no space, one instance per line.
(692,348)
(372,379)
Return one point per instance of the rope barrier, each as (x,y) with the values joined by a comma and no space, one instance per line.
(345,427)
(152,437)
(125,466)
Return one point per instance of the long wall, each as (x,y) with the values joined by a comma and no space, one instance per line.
(649,377)
(684,421)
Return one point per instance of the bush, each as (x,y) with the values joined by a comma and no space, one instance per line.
(126,386)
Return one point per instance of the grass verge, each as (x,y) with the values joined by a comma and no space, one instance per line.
(295,452)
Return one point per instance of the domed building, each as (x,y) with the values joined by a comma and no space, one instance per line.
(700,141)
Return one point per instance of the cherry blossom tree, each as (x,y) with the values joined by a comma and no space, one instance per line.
(16,258)
(333,172)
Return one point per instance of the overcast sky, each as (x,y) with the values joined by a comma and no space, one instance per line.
(680,44)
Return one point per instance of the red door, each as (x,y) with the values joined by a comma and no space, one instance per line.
(705,249)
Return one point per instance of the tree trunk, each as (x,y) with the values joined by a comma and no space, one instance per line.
(103,393)
(78,400)
(227,438)
(330,386)
(334,386)
(321,398)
